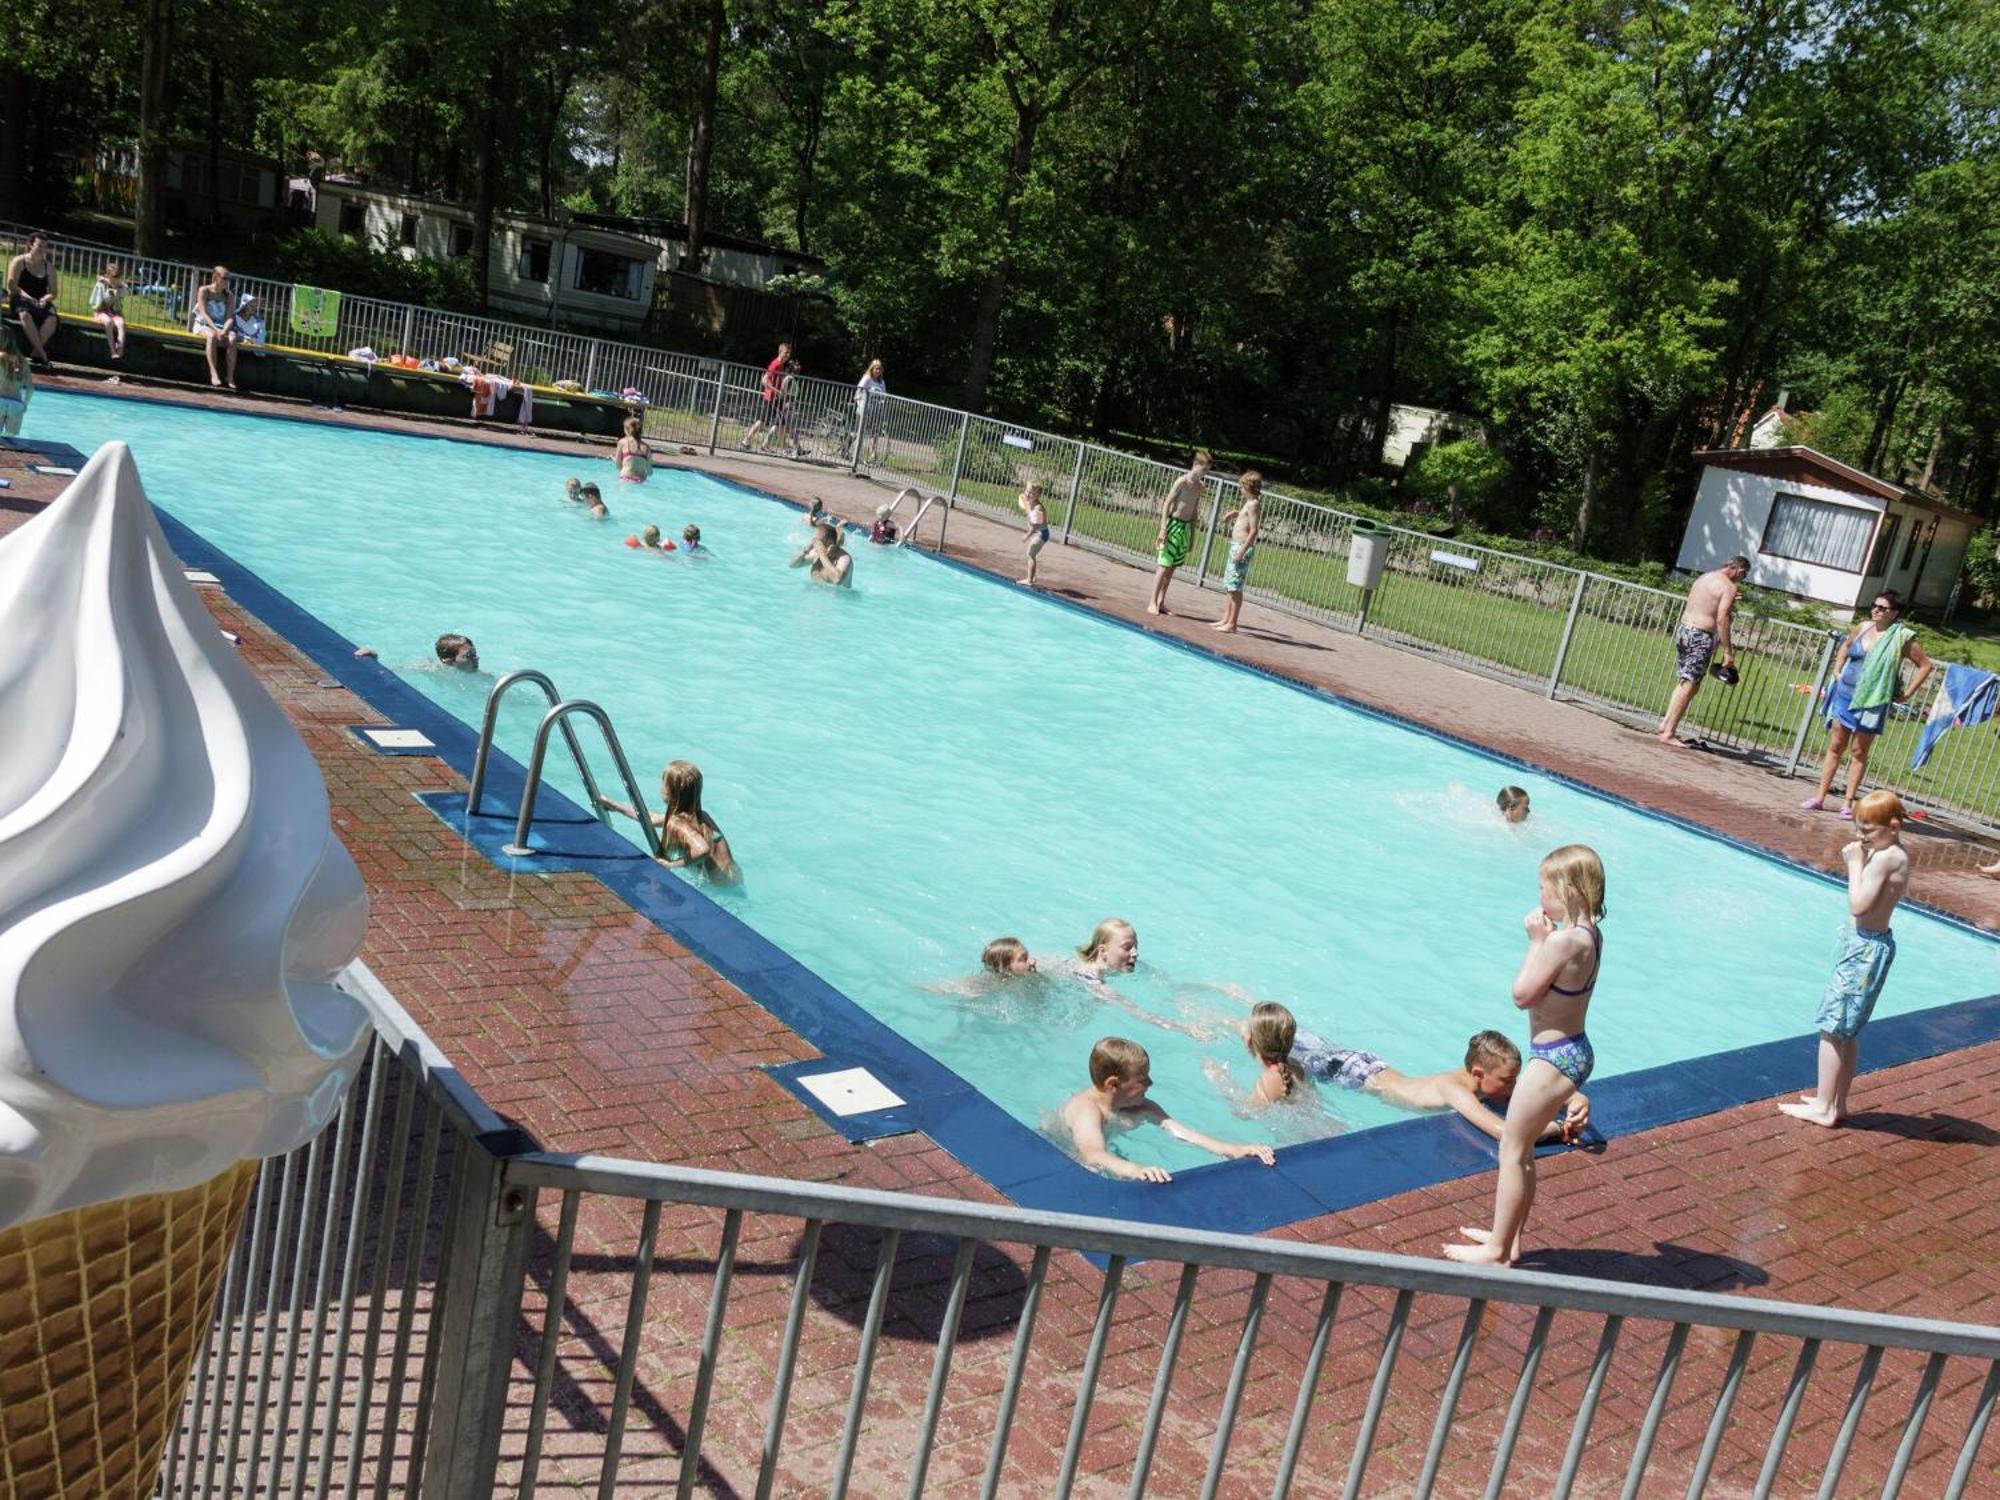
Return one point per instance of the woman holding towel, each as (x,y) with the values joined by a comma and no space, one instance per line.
(1870,682)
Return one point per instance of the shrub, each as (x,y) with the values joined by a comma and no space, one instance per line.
(1459,478)
(352,265)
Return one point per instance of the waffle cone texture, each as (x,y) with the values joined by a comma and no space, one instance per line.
(102,1311)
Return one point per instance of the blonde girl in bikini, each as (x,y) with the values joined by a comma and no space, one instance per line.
(689,837)
(635,459)
(1030,502)
(1557,977)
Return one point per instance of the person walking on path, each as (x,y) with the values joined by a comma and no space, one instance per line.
(1704,630)
(1177,518)
(771,387)
(1870,680)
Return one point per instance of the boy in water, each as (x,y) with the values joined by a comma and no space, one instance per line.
(1492,1068)
(691,541)
(1878,876)
(1513,804)
(1120,1074)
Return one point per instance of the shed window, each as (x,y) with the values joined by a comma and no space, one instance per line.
(408,229)
(606,274)
(534,260)
(353,216)
(1818,532)
(1885,547)
(461,239)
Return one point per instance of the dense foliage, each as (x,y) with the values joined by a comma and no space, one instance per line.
(1612,231)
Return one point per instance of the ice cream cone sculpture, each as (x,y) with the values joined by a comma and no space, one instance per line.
(174,908)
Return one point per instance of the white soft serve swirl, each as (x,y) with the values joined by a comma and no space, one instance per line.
(174,905)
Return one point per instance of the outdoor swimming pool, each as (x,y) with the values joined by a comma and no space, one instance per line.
(929,761)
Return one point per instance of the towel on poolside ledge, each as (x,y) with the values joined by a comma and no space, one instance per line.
(1882,671)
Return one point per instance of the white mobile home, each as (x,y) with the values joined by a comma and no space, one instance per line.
(1818,528)
(538,268)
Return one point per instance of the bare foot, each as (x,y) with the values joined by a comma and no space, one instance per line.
(1668,739)
(1992,869)
(1029,582)
(1224,626)
(1476,1255)
(1812,1111)
(1158,609)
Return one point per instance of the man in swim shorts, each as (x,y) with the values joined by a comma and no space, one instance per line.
(1177,518)
(1704,630)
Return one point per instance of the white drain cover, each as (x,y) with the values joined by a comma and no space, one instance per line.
(853,1091)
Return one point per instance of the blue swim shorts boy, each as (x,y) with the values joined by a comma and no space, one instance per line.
(1236,571)
(1860,969)
(1347,1066)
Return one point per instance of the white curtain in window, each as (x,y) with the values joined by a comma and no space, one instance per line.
(1817,531)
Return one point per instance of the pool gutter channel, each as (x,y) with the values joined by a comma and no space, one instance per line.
(1324,1176)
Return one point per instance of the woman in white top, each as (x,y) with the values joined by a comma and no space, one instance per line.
(215,320)
(107,306)
(871,409)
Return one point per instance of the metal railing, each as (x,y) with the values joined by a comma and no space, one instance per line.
(1571,634)
(425,1303)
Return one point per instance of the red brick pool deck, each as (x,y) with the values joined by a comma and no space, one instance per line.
(597,1032)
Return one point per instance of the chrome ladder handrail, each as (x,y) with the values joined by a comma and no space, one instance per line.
(558,718)
(907,533)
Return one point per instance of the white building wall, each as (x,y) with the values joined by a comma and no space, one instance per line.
(1731,511)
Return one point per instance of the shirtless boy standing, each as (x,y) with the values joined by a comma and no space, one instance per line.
(1704,630)
(1878,876)
(1120,1074)
(1176,538)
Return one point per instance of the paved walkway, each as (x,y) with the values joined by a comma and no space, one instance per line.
(597,1032)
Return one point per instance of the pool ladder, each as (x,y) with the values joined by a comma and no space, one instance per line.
(557,717)
(908,533)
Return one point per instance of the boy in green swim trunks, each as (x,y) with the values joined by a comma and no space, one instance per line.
(1177,517)
(1878,876)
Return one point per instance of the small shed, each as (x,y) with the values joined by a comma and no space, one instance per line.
(1821,529)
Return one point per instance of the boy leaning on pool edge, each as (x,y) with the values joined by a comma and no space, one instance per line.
(1120,1074)
(1878,876)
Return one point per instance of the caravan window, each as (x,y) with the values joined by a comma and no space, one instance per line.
(1819,532)
(534,260)
(606,274)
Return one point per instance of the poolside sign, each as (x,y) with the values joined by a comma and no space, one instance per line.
(1015,440)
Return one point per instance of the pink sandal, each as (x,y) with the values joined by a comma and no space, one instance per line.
(1814,804)
(1847,811)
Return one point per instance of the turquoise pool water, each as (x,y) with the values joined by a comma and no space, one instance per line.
(931,760)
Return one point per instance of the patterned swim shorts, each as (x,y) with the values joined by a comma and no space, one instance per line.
(1349,1067)
(1180,541)
(1236,570)
(1571,1056)
(1693,648)
(1860,969)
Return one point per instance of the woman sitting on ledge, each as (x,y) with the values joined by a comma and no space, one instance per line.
(216,324)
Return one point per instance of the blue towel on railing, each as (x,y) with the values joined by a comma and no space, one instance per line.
(1969,696)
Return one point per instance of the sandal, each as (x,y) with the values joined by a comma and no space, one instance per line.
(1814,804)
(1847,812)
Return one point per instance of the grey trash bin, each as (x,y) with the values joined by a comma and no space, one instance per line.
(1367,551)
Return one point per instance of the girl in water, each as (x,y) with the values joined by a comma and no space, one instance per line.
(1031,505)
(1554,986)
(689,837)
(635,460)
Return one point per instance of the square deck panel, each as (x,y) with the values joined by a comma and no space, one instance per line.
(53,471)
(201,576)
(391,740)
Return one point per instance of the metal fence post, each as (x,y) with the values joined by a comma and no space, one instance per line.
(715,417)
(485,1254)
(1208,535)
(409,329)
(944,517)
(1075,490)
(864,409)
(1811,705)
(958,463)
(1569,633)
(590,367)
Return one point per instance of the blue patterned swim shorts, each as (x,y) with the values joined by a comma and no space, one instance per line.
(1860,968)
(1349,1067)
(1570,1056)
(1236,570)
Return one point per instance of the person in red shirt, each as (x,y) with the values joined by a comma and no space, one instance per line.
(774,385)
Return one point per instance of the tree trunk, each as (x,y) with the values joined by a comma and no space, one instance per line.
(214,141)
(156,43)
(486,191)
(986,317)
(702,149)
(1579,535)
(14,202)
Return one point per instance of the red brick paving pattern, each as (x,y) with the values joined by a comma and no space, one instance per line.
(599,1033)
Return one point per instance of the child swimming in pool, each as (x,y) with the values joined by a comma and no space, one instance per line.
(1557,977)
(1120,1074)
(1513,804)
(635,460)
(691,541)
(1008,958)
(573,490)
(689,837)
